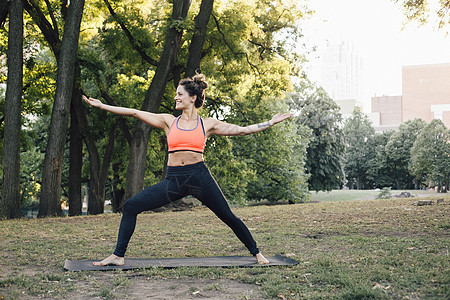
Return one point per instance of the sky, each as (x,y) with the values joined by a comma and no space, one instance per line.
(377,30)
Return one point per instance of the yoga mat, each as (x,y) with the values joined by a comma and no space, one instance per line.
(217,261)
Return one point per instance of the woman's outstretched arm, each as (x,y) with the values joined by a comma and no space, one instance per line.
(155,120)
(221,128)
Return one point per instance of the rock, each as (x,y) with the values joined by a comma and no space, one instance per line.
(423,202)
(404,195)
(439,200)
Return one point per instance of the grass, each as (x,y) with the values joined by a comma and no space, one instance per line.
(373,249)
(346,195)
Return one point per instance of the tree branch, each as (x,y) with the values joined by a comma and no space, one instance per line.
(130,37)
(101,86)
(198,38)
(231,49)
(51,35)
(52,15)
(122,122)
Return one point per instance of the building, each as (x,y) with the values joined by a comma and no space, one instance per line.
(342,71)
(426,92)
(386,112)
(348,106)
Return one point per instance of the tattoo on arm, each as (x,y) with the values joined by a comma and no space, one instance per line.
(265,124)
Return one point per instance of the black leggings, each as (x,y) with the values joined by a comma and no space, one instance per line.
(195,180)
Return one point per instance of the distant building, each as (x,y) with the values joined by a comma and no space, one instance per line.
(347,106)
(341,75)
(342,71)
(426,92)
(386,112)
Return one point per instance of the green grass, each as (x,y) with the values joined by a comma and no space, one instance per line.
(347,195)
(373,249)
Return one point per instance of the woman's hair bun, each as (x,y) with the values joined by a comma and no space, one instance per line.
(200,79)
(196,86)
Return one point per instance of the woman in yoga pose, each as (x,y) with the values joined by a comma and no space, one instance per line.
(186,172)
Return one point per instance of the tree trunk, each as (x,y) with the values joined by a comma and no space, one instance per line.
(98,172)
(3,11)
(117,194)
(196,46)
(98,175)
(95,203)
(75,162)
(397,182)
(10,206)
(51,176)
(195,52)
(51,34)
(152,102)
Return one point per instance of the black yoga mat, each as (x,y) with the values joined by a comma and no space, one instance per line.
(218,261)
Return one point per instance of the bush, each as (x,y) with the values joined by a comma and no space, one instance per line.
(385,193)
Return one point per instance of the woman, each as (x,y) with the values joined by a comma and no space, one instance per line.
(186,172)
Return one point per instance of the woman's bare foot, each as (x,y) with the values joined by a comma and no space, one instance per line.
(261,259)
(111,260)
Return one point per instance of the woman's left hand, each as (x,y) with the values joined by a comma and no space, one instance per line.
(280,118)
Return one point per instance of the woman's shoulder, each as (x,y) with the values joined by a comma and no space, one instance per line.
(209,121)
(168,118)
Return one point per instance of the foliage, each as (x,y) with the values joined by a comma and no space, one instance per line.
(277,155)
(232,174)
(358,132)
(385,193)
(30,178)
(423,11)
(379,171)
(33,145)
(430,155)
(398,151)
(316,110)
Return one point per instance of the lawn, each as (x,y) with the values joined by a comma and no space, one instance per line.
(371,249)
(346,195)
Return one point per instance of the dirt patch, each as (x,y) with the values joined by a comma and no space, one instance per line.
(192,289)
(189,288)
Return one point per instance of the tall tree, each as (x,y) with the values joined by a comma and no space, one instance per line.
(398,150)
(153,98)
(49,204)
(325,153)
(430,155)
(380,167)
(10,206)
(358,132)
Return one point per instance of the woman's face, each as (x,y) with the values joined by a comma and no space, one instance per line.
(182,98)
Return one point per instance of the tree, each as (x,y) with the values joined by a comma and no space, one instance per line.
(398,150)
(75,163)
(430,155)
(325,152)
(10,206)
(49,204)
(379,165)
(358,132)
(276,156)
(153,98)
(422,11)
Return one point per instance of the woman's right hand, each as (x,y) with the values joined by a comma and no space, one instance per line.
(92,102)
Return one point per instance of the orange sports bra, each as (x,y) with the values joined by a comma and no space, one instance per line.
(179,139)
